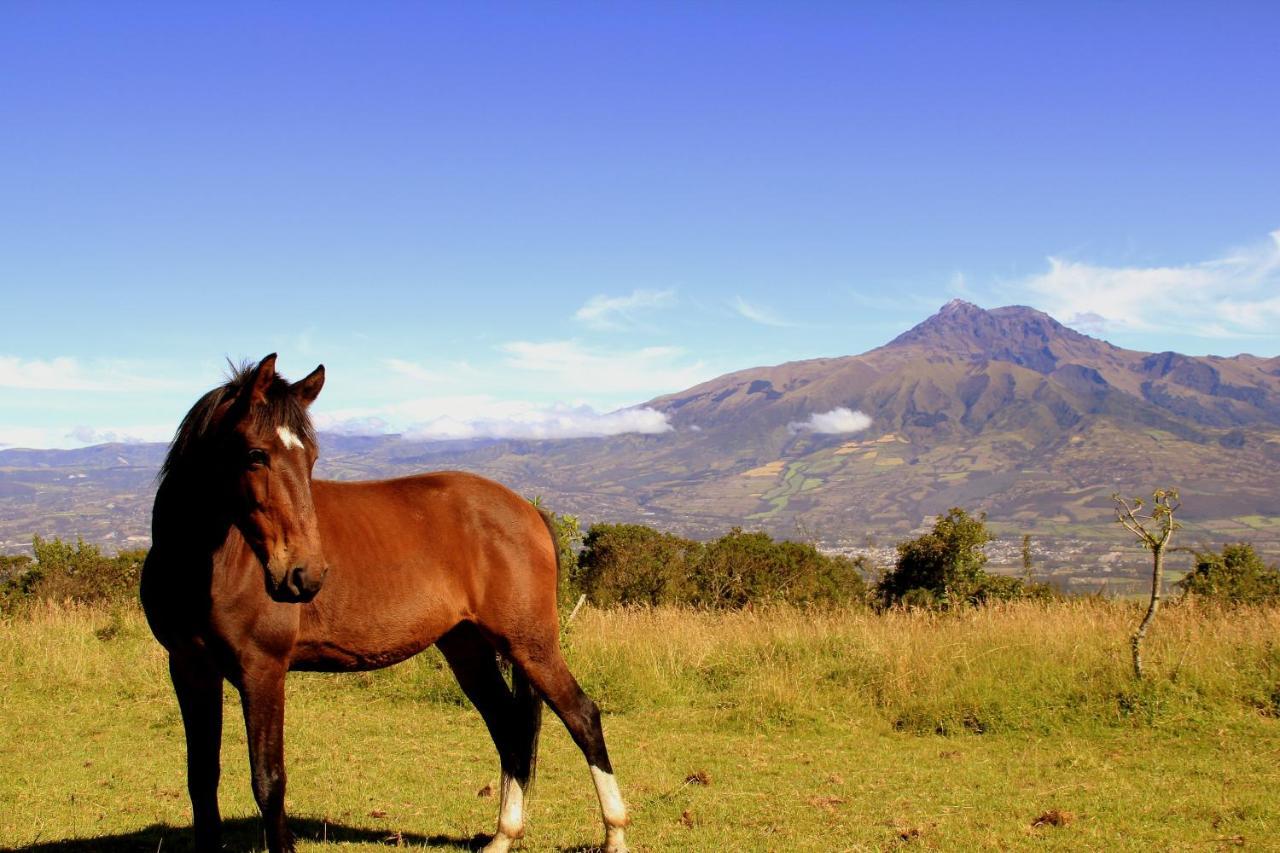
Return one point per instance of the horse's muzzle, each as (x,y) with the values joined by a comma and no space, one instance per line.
(299,586)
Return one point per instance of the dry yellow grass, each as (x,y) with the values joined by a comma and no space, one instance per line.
(801,730)
(1012,666)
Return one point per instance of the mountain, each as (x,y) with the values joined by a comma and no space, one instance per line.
(1004,410)
(966,370)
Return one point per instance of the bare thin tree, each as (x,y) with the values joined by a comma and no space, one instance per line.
(1154,530)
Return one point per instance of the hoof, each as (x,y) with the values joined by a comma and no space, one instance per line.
(498,844)
(614,842)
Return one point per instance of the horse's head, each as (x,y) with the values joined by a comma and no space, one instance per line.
(268,449)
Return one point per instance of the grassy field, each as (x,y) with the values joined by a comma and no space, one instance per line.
(1009,728)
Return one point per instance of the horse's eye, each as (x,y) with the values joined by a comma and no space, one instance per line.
(257,458)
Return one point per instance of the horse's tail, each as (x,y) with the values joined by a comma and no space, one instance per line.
(528,716)
(528,699)
(549,519)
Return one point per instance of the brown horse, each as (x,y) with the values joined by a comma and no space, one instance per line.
(257,569)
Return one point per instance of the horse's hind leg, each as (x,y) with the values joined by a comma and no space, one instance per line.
(199,690)
(546,668)
(513,722)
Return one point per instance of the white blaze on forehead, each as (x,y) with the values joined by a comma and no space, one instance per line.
(289,438)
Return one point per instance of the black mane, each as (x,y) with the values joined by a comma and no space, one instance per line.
(282,409)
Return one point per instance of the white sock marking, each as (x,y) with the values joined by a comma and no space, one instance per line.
(287,436)
(511,812)
(612,808)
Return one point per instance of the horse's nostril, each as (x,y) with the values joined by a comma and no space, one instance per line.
(298,579)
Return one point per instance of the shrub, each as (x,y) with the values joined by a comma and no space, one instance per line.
(634,564)
(61,571)
(998,588)
(944,568)
(741,568)
(1237,575)
(12,565)
(946,562)
(568,535)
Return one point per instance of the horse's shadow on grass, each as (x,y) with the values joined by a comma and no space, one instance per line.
(240,835)
(245,834)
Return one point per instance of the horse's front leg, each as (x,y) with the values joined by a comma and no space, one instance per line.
(199,689)
(262,695)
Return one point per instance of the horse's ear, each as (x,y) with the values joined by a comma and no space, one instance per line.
(309,388)
(255,390)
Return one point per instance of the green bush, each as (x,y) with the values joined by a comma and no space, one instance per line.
(998,588)
(635,564)
(945,568)
(12,565)
(742,568)
(1237,575)
(568,535)
(60,571)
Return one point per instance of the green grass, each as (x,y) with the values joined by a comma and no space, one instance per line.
(817,731)
(794,481)
(1259,522)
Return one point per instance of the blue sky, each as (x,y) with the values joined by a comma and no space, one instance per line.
(516,218)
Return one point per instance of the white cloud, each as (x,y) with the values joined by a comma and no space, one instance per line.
(400,415)
(1234,296)
(411,370)
(837,421)
(550,389)
(89,435)
(22,436)
(615,312)
(11,437)
(574,370)
(80,436)
(69,374)
(758,313)
(444,418)
(352,424)
(447,373)
(547,423)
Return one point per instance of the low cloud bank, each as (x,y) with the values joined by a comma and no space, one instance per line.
(89,435)
(531,423)
(62,438)
(556,422)
(837,421)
